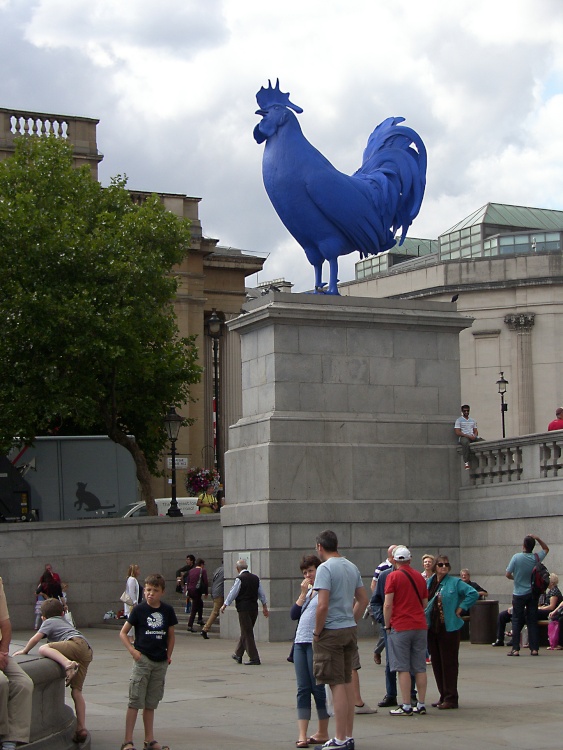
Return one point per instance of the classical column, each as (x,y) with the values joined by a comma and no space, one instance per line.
(522,324)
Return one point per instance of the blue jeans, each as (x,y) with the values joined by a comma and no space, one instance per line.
(391,677)
(525,609)
(306,683)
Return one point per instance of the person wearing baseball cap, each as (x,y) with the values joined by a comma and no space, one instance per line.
(406,597)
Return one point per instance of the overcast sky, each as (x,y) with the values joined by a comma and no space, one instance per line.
(174,84)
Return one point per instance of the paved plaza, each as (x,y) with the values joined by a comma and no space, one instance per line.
(212,702)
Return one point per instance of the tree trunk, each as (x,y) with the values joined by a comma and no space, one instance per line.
(143,473)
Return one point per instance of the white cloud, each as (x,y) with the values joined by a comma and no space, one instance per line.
(174,86)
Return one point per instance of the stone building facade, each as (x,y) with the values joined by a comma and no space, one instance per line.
(509,278)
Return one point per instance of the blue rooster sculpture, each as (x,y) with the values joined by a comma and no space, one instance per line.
(330,213)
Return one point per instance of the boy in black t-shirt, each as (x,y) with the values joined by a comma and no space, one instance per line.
(154,622)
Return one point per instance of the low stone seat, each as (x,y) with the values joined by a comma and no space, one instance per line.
(53,723)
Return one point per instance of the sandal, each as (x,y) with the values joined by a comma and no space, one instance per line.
(127,746)
(513,653)
(315,741)
(534,653)
(302,743)
(71,670)
(153,745)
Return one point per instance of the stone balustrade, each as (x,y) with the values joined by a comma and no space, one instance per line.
(80,132)
(530,457)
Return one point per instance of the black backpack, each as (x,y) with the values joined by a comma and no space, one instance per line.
(540,578)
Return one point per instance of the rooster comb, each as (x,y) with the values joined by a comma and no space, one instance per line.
(266,98)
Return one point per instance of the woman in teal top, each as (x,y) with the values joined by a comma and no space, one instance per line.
(447,596)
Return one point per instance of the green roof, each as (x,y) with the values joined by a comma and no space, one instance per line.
(415,246)
(500,214)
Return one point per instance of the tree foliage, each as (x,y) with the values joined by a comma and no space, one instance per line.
(86,298)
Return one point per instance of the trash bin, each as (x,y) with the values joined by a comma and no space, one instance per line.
(483,621)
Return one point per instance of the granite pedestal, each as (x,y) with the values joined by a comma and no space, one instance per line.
(348,408)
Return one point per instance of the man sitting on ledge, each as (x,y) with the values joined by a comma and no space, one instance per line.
(466,430)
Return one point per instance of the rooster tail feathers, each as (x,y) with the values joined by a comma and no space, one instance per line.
(389,152)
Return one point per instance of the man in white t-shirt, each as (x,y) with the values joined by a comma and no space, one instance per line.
(466,430)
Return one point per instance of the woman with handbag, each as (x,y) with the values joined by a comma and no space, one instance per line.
(305,611)
(197,589)
(447,597)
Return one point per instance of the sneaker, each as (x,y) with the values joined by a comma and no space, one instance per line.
(400,711)
(420,709)
(467,466)
(499,644)
(334,745)
(429,661)
(365,709)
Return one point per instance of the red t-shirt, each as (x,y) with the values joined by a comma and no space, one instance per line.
(407,612)
(557,424)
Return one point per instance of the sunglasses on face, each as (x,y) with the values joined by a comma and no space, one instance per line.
(442,565)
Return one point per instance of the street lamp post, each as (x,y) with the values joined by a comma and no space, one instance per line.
(501,384)
(172,423)
(214,326)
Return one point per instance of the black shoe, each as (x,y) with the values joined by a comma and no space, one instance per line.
(499,643)
(190,630)
(252,663)
(387,701)
(200,622)
(204,634)
(238,659)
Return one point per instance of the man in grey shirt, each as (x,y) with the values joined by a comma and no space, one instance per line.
(342,600)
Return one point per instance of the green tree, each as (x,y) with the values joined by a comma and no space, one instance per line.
(89,335)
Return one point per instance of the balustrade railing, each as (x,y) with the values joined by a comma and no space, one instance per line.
(25,123)
(536,456)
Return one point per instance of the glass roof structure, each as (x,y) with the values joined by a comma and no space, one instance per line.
(500,214)
(495,229)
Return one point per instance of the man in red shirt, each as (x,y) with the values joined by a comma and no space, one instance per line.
(406,597)
(557,423)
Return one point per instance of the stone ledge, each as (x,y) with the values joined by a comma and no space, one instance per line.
(52,721)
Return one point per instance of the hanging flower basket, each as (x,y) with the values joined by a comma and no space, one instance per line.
(198,479)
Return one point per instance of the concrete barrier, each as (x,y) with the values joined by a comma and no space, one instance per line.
(53,722)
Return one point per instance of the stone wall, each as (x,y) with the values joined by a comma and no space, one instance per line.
(93,557)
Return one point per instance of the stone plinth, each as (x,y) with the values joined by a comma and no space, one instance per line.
(53,722)
(348,410)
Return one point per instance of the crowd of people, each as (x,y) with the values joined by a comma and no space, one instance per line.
(419,616)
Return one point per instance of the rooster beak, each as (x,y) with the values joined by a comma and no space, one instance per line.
(262,112)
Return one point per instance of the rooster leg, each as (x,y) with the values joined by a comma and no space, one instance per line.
(333,280)
(319,278)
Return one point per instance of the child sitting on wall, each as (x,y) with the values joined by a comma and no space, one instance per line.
(68,647)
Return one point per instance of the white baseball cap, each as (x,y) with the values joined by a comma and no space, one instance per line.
(401,554)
